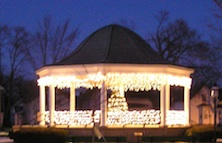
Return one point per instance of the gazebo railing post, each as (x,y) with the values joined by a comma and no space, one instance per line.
(72,97)
(164,102)
(162,106)
(103,104)
(187,104)
(51,104)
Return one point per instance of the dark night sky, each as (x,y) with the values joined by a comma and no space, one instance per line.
(91,15)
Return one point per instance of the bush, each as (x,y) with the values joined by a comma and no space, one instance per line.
(39,135)
(201,132)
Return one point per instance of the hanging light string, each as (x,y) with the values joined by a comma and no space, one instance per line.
(129,81)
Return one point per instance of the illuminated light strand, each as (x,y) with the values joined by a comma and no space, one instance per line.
(144,117)
(179,81)
(71,118)
(176,117)
(95,79)
(97,115)
(86,117)
(117,102)
(132,81)
(64,82)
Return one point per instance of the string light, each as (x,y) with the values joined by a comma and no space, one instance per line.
(144,117)
(117,102)
(118,113)
(129,81)
(176,117)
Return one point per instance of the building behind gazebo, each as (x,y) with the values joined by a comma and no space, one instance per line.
(114,59)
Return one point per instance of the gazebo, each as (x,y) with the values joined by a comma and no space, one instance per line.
(117,59)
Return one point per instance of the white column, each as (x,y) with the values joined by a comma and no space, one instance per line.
(72,98)
(162,106)
(167,94)
(41,115)
(51,104)
(103,104)
(187,104)
(167,100)
(164,102)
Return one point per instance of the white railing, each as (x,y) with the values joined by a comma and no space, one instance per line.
(144,117)
(176,117)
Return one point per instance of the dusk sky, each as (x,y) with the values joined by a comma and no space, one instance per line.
(90,15)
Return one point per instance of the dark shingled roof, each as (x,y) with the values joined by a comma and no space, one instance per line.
(113,44)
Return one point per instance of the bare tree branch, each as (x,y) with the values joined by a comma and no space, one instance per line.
(52,43)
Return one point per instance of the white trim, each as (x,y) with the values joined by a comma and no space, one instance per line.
(84,69)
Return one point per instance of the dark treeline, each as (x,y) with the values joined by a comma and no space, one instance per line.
(22,52)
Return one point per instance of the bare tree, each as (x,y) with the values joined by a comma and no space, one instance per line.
(218,3)
(4,36)
(51,43)
(17,50)
(172,40)
(201,59)
(180,44)
(215,25)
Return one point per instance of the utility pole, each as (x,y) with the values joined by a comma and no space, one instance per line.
(214,95)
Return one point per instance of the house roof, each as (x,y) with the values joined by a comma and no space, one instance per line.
(113,44)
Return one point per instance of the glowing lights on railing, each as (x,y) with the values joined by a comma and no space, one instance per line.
(129,81)
(96,116)
(148,117)
(145,117)
(175,117)
(71,118)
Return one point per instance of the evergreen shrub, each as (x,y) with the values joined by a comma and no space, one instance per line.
(39,135)
(204,133)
